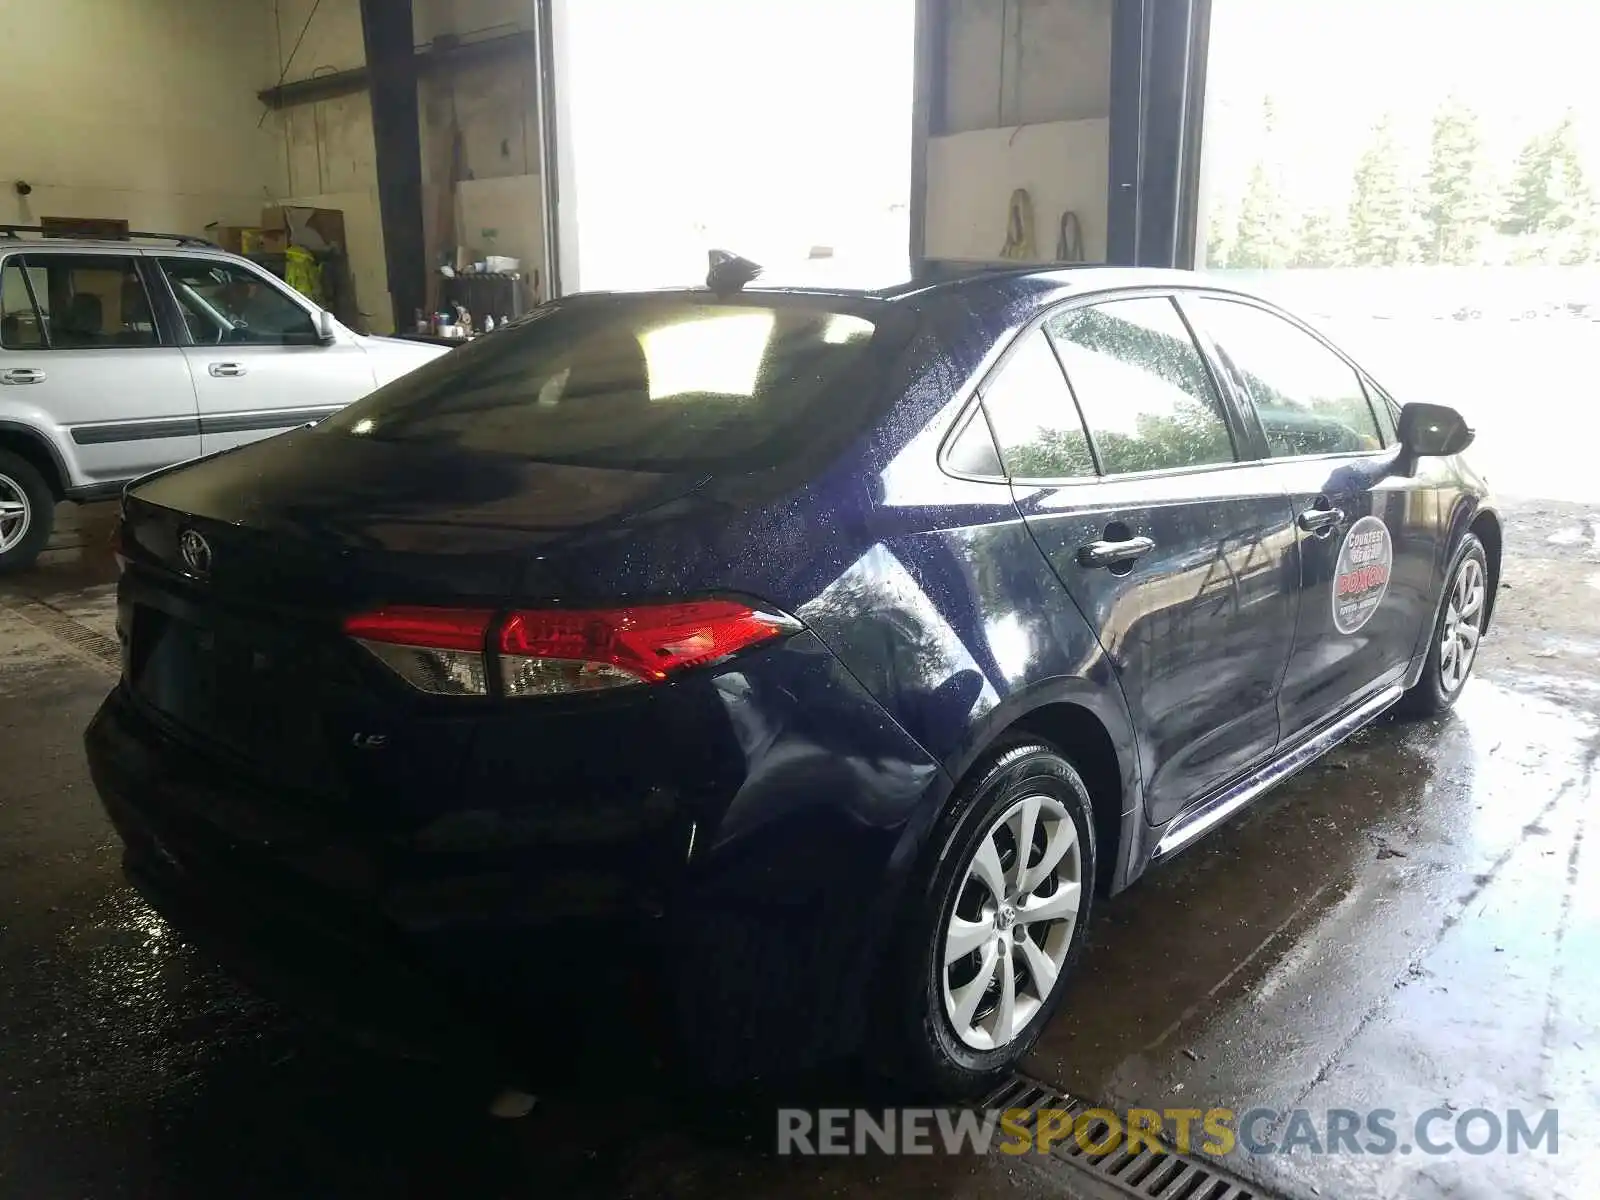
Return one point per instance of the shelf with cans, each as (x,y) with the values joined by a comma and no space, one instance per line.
(475,301)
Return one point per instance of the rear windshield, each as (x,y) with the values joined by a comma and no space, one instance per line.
(642,382)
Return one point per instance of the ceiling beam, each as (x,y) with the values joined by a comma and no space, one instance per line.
(443,54)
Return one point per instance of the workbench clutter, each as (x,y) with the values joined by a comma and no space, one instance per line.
(491,287)
(455,323)
(303,246)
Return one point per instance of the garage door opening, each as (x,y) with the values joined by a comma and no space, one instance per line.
(780,130)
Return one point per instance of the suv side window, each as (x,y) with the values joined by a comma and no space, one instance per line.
(21,324)
(1309,400)
(228,305)
(74,302)
(1035,421)
(1142,386)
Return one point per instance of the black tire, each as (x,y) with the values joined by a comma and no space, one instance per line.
(923,1046)
(20,480)
(1435,692)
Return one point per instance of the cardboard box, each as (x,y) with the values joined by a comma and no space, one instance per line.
(101,228)
(284,225)
(240,239)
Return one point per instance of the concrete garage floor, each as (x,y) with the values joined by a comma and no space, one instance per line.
(1413,923)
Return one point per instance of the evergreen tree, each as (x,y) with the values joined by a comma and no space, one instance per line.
(1550,211)
(1261,238)
(1581,242)
(1220,226)
(1456,199)
(1548,191)
(1319,243)
(1383,229)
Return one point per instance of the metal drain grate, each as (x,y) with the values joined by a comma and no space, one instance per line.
(1168,1175)
(89,643)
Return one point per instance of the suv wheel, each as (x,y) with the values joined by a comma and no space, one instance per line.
(27,511)
(1454,646)
(1000,920)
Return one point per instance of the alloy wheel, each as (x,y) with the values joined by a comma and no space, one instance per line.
(1463,625)
(16,514)
(1012,923)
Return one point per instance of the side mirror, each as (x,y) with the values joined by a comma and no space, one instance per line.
(326,327)
(1431,431)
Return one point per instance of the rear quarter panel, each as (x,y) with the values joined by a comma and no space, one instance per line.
(943,605)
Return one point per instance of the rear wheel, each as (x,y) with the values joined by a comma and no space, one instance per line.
(27,511)
(999,921)
(1453,649)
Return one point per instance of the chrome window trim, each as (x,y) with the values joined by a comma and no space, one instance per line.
(970,412)
(1035,324)
(1179,293)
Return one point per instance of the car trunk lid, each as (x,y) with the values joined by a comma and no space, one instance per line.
(240,646)
(311,521)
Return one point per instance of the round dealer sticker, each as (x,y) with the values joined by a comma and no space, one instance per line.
(1361,575)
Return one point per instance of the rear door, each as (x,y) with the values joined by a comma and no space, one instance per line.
(1181,556)
(1367,537)
(80,348)
(259,364)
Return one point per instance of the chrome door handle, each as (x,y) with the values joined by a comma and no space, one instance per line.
(22,375)
(1112,554)
(1320,520)
(226,370)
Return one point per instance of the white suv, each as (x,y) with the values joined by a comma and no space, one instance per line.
(120,357)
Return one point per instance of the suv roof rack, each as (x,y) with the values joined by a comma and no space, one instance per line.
(183,239)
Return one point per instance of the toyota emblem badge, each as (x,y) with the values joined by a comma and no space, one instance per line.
(195,552)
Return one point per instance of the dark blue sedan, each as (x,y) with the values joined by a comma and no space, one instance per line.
(812,658)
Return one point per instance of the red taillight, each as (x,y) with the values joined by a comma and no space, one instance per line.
(434,628)
(557,651)
(563,651)
(437,650)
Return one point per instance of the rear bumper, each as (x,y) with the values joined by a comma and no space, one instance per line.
(370,994)
(746,918)
(308,942)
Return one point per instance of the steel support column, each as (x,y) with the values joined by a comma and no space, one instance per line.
(927,114)
(397,143)
(552,147)
(1158,50)
(1129,23)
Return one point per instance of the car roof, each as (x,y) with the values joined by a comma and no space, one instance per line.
(823,278)
(128,245)
(1087,276)
(842,282)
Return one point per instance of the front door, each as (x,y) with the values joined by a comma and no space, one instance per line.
(259,364)
(1178,554)
(1367,537)
(79,348)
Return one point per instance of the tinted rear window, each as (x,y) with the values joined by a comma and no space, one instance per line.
(647,382)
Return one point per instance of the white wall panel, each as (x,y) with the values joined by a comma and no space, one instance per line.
(1015,62)
(144,111)
(1062,164)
